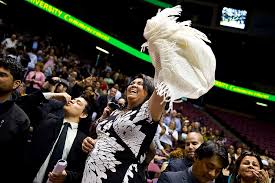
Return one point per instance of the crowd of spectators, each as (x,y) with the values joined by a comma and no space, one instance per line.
(53,68)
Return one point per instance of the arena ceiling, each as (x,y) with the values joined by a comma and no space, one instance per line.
(244,57)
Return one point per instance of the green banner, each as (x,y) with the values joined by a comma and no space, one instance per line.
(89,29)
(111,40)
(244,91)
(159,3)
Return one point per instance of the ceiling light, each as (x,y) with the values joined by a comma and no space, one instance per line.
(2,2)
(101,49)
(261,104)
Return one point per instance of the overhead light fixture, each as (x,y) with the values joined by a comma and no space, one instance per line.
(2,2)
(261,104)
(101,49)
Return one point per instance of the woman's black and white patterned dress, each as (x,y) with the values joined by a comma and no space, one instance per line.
(122,142)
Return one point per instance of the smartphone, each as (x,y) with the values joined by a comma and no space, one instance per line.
(113,106)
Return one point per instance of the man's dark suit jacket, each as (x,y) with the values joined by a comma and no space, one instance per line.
(14,129)
(45,133)
(176,165)
(184,177)
(42,142)
(177,177)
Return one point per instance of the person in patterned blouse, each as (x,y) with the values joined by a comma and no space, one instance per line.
(123,138)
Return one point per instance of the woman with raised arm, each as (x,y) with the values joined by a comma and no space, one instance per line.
(184,67)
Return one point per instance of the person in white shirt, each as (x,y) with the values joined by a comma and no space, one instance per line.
(170,136)
(54,138)
(9,43)
(118,92)
(33,58)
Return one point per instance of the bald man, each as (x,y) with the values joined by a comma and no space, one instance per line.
(193,141)
(211,158)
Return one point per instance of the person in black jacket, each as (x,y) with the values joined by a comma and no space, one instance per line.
(47,134)
(14,123)
(210,159)
(193,141)
(103,100)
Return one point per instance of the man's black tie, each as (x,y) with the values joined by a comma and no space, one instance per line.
(57,151)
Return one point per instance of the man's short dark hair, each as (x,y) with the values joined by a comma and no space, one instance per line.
(89,97)
(85,123)
(209,149)
(13,66)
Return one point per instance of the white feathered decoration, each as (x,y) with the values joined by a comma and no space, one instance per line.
(184,64)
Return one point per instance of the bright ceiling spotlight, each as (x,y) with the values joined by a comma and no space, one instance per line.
(101,49)
(2,2)
(261,104)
